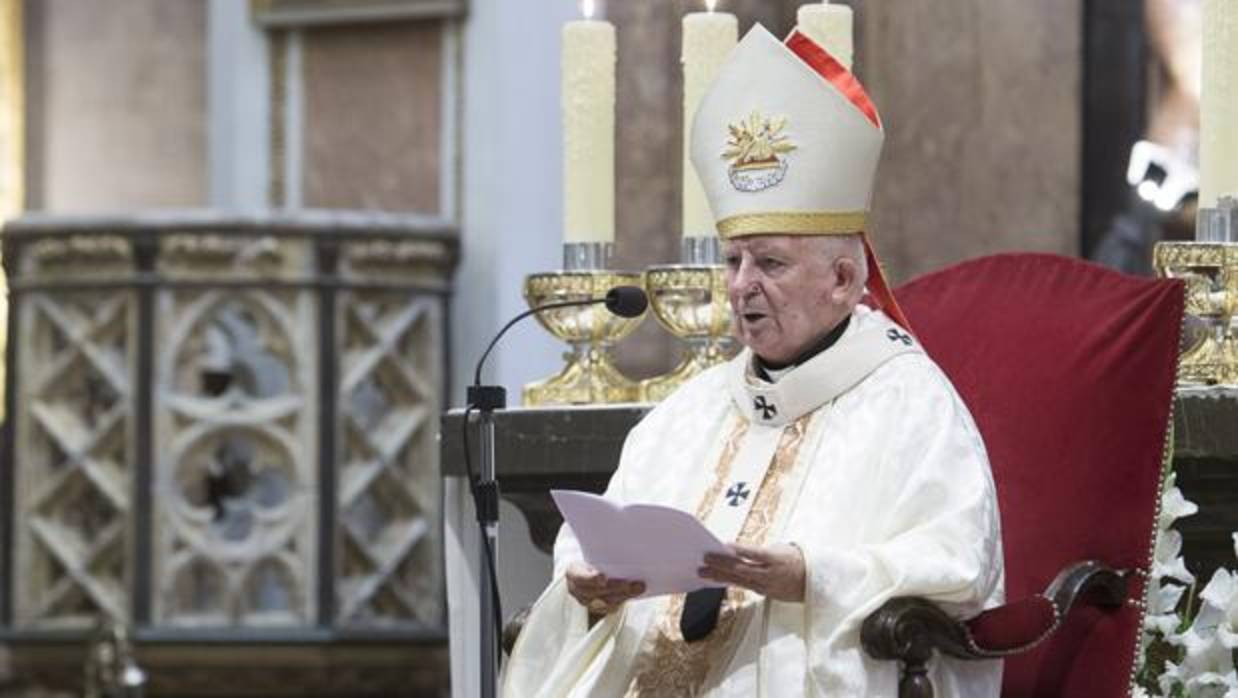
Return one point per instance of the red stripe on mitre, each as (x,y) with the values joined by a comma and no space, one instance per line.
(829,68)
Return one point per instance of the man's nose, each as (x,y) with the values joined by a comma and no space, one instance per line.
(744,278)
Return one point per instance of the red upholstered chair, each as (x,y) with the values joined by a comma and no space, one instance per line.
(1069,371)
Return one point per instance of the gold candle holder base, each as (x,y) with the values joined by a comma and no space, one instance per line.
(690,300)
(1210,270)
(589,376)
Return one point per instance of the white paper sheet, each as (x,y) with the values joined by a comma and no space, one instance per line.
(659,545)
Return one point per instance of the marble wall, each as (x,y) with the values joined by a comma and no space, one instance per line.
(981,103)
(115,123)
(373,116)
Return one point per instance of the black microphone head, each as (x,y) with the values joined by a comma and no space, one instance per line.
(626,301)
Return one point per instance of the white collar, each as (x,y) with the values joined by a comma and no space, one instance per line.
(869,341)
(776,374)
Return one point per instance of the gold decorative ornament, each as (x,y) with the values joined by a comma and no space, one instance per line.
(794,223)
(753,149)
(690,301)
(590,376)
(1210,271)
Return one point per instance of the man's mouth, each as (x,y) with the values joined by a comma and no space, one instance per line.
(752,316)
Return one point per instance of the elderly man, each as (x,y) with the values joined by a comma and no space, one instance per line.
(832,451)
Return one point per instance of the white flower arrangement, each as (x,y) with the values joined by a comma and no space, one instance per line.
(1188,649)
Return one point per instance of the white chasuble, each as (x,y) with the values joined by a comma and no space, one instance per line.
(865,458)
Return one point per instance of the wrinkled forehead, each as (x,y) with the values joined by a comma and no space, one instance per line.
(772,242)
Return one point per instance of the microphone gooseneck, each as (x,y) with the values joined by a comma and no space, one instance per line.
(624,301)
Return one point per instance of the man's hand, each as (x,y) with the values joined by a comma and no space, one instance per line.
(776,572)
(597,592)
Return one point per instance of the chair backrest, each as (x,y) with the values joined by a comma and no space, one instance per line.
(1069,370)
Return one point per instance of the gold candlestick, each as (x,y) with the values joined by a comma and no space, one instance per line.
(1210,266)
(691,303)
(590,376)
(1210,270)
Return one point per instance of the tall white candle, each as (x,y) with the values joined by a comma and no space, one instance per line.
(707,39)
(830,26)
(588,65)
(1218,118)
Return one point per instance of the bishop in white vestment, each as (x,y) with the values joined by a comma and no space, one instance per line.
(832,450)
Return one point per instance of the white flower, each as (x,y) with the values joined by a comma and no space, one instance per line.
(1162,613)
(1218,610)
(1167,559)
(1213,685)
(1174,505)
(1207,668)
(1204,663)
(1171,678)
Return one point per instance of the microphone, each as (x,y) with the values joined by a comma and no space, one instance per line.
(624,301)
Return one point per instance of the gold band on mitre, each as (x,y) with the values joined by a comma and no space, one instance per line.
(793,223)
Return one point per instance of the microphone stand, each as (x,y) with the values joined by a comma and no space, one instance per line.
(486,399)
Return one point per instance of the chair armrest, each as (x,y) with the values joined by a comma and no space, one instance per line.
(1107,587)
(910,629)
(1019,626)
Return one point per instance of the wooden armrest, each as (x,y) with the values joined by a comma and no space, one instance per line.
(910,629)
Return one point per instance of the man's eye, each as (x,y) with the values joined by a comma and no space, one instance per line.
(732,261)
(771,263)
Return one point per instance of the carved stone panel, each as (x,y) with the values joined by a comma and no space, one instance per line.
(77,257)
(217,256)
(75,444)
(236,471)
(388,540)
(224,437)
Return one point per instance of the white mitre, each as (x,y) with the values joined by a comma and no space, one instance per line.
(786,141)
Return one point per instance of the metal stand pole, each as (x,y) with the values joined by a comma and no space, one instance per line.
(486,399)
(489,520)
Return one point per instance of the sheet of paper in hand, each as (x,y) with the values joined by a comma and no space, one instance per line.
(659,545)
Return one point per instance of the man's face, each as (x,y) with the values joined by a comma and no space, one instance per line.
(785,293)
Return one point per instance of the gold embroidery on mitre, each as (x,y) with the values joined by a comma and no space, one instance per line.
(669,666)
(793,223)
(754,148)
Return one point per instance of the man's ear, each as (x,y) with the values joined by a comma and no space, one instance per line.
(847,280)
